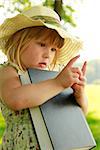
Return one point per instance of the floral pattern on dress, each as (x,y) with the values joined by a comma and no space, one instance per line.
(19,133)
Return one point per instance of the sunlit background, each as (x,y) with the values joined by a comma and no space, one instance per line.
(88,26)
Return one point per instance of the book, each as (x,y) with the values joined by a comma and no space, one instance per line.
(60,122)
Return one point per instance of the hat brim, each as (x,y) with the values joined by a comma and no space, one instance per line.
(11,25)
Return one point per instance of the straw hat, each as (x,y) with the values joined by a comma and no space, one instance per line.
(41,16)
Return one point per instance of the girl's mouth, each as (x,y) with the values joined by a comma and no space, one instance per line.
(42,65)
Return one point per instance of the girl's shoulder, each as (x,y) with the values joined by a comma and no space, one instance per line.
(9,79)
(7,71)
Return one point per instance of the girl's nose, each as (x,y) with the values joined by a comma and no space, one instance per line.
(47,53)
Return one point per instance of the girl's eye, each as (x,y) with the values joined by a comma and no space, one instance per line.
(42,44)
(53,49)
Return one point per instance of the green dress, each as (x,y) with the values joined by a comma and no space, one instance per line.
(19,133)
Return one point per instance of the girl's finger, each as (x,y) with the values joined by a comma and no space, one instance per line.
(76,70)
(84,68)
(75,75)
(84,79)
(71,62)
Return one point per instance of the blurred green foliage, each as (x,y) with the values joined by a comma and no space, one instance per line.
(65,11)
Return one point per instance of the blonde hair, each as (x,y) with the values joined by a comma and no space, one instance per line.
(20,40)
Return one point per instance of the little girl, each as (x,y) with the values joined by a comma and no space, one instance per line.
(35,39)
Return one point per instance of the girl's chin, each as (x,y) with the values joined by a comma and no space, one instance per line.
(41,68)
(45,68)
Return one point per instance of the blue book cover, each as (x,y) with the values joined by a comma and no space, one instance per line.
(64,120)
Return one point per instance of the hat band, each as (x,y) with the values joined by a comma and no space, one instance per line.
(46,19)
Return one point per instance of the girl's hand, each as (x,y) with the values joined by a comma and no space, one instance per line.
(79,89)
(69,75)
(74,77)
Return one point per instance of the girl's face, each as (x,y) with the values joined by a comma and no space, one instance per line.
(38,54)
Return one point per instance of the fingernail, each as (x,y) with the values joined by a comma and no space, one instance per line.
(78,56)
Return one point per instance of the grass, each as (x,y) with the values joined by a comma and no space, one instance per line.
(2,126)
(93,117)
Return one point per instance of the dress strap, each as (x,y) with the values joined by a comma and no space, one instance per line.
(20,72)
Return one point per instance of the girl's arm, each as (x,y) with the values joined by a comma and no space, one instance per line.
(18,96)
